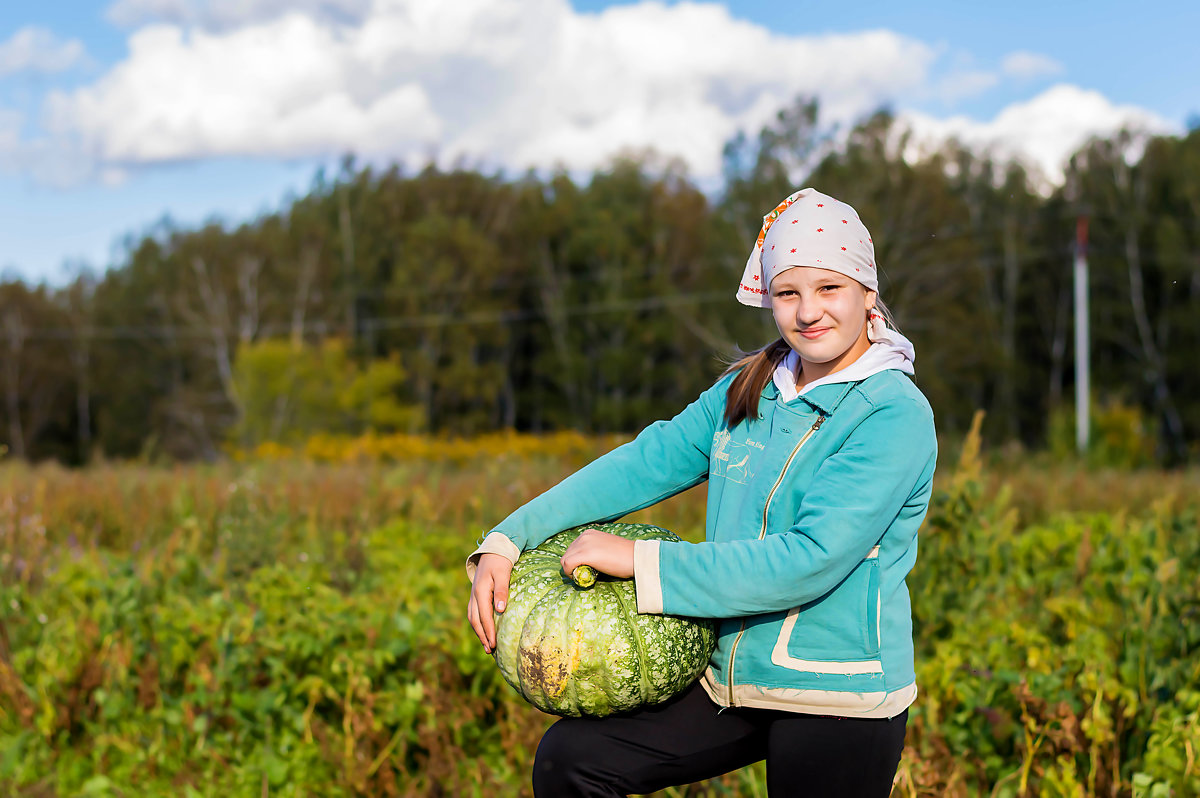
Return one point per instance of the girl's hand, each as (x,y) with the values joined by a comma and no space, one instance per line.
(607,553)
(489,590)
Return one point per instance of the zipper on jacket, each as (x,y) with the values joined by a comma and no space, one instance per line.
(762,533)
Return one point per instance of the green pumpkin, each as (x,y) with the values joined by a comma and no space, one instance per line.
(575,650)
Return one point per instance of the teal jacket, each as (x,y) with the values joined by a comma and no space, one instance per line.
(811,529)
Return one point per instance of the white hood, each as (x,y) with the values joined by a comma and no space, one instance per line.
(890,350)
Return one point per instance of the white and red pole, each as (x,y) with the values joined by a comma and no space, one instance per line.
(1082,348)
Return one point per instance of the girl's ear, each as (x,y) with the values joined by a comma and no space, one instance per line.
(872,296)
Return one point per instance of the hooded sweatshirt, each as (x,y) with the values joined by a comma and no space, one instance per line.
(812,514)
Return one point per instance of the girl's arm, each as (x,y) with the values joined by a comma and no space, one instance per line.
(883,472)
(668,457)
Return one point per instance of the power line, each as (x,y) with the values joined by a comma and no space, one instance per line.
(171,332)
(501,316)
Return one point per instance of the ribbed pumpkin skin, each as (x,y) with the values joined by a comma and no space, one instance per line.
(573,651)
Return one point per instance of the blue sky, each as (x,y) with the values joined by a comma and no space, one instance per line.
(1135,53)
(95,145)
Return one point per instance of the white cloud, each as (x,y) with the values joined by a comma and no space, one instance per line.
(516,83)
(220,15)
(513,84)
(11,122)
(43,161)
(36,49)
(39,158)
(1042,132)
(963,80)
(960,85)
(1024,65)
(290,89)
(129,13)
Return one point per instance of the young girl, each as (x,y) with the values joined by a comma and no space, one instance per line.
(819,454)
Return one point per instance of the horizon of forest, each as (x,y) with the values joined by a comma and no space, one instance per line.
(456,303)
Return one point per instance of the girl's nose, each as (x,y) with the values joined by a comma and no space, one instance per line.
(808,311)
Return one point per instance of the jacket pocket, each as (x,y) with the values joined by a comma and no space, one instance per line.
(839,632)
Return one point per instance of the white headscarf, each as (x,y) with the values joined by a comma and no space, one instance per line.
(814,229)
(808,229)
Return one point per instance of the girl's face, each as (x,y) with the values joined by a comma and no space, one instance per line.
(823,316)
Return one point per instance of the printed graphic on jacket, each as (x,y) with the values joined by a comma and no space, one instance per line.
(730,460)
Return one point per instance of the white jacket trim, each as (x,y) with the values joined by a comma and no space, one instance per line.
(646,579)
(781,657)
(494,543)
(837,703)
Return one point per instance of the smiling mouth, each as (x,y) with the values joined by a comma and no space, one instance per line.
(814,332)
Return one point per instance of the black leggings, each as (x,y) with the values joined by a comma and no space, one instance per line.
(686,740)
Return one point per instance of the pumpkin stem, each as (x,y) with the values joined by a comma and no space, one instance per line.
(584,576)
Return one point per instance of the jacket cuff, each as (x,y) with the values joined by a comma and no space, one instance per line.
(494,543)
(646,581)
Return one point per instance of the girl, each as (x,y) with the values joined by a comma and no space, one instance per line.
(808,540)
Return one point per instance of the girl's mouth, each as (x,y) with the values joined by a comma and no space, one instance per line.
(814,332)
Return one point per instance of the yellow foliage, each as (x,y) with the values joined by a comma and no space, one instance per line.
(376,447)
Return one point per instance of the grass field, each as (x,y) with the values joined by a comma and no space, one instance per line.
(290,628)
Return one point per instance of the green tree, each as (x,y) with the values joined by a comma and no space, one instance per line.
(1133,314)
(290,392)
(35,376)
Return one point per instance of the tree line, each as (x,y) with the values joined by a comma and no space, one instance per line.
(457,301)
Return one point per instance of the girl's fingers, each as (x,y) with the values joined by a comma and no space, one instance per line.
(489,595)
(607,553)
(473,617)
(480,615)
(580,553)
(500,593)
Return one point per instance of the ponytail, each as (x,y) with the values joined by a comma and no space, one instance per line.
(754,372)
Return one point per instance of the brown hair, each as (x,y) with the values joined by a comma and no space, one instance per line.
(754,372)
(756,368)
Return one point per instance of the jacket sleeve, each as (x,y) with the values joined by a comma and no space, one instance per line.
(668,457)
(883,470)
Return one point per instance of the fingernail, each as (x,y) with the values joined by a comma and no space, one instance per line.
(500,606)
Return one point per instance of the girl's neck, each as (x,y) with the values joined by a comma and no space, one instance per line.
(807,372)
